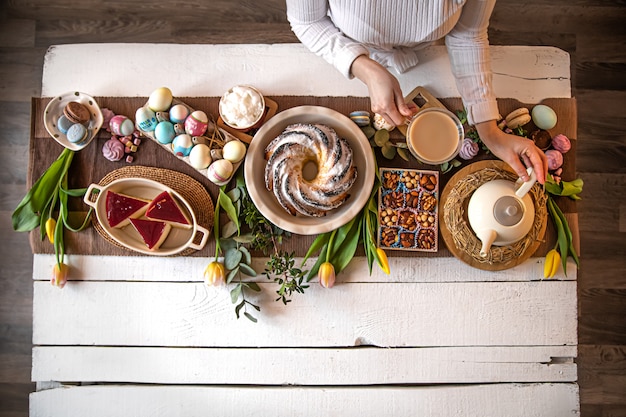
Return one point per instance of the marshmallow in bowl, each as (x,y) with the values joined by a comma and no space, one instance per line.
(241,107)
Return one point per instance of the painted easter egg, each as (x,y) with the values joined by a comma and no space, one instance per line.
(200,156)
(196,123)
(145,119)
(160,99)
(182,144)
(164,132)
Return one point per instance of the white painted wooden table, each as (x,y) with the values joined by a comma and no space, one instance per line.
(143,336)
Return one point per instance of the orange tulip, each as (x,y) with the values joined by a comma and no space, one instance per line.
(326,275)
(215,274)
(59,275)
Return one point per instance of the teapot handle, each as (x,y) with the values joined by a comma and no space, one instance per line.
(525,186)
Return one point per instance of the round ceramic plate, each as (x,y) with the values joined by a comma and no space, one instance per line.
(54,110)
(265,200)
(177,240)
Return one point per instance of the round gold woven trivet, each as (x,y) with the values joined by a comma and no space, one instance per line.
(459,236)
(191,190)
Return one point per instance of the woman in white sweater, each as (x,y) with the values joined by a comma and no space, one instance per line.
(368,38)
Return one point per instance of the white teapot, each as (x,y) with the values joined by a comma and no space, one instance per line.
(501,212)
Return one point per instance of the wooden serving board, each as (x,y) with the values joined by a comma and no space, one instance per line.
(462,253)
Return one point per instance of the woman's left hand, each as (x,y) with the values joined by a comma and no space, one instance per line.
(514,150)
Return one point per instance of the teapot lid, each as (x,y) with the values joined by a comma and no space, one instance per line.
(508,210)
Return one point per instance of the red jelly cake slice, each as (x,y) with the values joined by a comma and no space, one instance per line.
(165,208)
(152,232)
(121,208)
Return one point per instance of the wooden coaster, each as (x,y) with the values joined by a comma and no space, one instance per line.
(457,233)
(195,194)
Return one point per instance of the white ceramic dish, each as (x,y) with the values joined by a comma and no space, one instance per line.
(266,202)
(54,110)
(177,240)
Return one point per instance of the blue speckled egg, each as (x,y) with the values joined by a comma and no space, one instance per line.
(164,132)
(146,119)
(360,117)
(182,144)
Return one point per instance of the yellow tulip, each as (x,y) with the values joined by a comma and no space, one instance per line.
(326,275)
(553,259)
(59,275)
(50,226)
(383,262)
(215,274)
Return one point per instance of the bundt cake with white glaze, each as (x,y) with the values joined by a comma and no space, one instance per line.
(287,156)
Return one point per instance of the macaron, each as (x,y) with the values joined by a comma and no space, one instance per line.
(76,112)
(76,133)
(63,124)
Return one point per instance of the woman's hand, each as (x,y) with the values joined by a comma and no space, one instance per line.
(514,149)
(384,90)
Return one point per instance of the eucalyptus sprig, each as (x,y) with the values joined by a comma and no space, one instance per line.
(237,258)
(50,194)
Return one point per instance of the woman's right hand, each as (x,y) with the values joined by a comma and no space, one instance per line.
(384,89)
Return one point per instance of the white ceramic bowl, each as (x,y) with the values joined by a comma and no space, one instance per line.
(265,200)
(54,110)
(177,240)
(231,102)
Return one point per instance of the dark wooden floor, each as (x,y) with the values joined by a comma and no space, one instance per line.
(592,31)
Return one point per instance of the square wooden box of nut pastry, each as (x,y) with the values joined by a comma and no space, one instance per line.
(408,202)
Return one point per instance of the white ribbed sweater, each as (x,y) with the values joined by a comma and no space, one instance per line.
(391,31)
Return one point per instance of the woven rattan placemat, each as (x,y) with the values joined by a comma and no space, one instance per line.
(455,228)
(191,190)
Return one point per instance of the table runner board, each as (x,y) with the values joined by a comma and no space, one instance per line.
(89,166)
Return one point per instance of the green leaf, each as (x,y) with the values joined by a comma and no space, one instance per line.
(239,307)
(315,268)
(403,154)
(246,254)
(229,229)
(236,292)
(227,205)
(381,137)
(319,242)
(250,317)
(247,269)
(234,194)
(232,274)
(344,255)
(76,192)
(25,217)
(232,258)
(561,235)
(253,286)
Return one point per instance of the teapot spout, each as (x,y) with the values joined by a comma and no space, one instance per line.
(487,237)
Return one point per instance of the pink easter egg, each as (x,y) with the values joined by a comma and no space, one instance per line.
(196,123)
